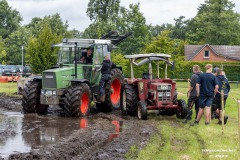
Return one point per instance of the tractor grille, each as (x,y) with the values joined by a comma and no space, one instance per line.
(49,80)
(164,94)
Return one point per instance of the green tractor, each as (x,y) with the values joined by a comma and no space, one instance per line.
(73,84)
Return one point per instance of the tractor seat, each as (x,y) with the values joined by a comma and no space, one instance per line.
(146,75)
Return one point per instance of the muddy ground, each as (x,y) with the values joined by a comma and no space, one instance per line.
(100,136)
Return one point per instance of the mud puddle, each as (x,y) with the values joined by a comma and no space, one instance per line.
(21,133)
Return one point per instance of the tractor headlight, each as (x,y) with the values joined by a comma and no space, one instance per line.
(54,92)
(42,91)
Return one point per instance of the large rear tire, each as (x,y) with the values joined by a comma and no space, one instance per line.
(31,98)
(77,101)
(113,91)
(131,99)
(182,109)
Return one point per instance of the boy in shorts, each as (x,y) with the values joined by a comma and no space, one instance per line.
(207,87)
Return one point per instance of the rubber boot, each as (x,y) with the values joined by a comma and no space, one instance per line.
(189,115)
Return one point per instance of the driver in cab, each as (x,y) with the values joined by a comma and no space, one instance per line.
(87,57)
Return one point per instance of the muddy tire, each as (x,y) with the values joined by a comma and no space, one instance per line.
(31,98)
(123,104)
(131,99)
(142,110)
(113,91)
(77,101)
(182,109)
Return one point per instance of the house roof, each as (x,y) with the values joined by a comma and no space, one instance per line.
(230,52)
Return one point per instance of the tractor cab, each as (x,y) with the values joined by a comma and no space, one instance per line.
(152,93)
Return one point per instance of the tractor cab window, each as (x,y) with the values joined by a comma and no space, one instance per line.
(98,55)
(66,56)
(105,50)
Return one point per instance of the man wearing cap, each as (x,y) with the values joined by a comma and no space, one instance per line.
(207,87)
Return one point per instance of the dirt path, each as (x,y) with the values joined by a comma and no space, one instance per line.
(101,136)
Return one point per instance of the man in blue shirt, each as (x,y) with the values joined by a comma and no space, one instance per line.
(207,87)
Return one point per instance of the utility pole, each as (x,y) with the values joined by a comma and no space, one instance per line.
(22,57)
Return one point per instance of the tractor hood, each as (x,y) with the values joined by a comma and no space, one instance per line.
(59,77)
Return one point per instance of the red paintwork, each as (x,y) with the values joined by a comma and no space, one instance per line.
(144,85)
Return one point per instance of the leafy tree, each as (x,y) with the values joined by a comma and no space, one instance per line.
(39,54)
(133,20)
(103,10)
(216,23)
(9,19)
(156,30)
(180,28)
(122,20)
(14,44)
(55,22)
(3,53)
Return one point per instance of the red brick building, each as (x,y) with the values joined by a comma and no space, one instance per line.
(212,53)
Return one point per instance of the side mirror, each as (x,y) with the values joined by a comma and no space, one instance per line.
(173,65)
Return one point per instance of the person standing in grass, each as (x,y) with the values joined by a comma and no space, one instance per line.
(207,87)
(193,99)
(223,85)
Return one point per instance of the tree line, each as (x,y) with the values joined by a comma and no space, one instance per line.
(216,23)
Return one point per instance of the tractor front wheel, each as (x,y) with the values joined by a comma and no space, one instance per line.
(142,110)
(31,98)
(181,109)
(77,101)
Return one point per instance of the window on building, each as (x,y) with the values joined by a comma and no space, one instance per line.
(206,54)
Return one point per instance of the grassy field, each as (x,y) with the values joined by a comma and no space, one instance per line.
(179,141)
(9,88)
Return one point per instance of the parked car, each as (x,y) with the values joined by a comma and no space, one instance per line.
(10,70)
(27,71)
(1,68)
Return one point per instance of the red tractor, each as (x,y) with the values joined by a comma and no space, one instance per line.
(148,93)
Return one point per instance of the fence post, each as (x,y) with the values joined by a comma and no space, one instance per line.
(239,123)
(223,109)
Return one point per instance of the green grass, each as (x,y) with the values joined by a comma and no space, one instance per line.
(179,141)
(9,89)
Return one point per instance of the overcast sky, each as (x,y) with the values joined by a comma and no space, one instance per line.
(155,11)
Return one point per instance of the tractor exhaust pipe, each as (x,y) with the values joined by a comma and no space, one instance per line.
(75,60)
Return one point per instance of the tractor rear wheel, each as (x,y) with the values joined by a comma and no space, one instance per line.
(131,99)
(142,110)
(182,109)
(77,101)
(31,98)
(113,91)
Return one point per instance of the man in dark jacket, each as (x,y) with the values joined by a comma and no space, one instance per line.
(107,65)
(223,85)
(193,99)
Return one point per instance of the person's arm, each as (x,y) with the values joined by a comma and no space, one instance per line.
(114,65)
(197,89)
(216,86)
